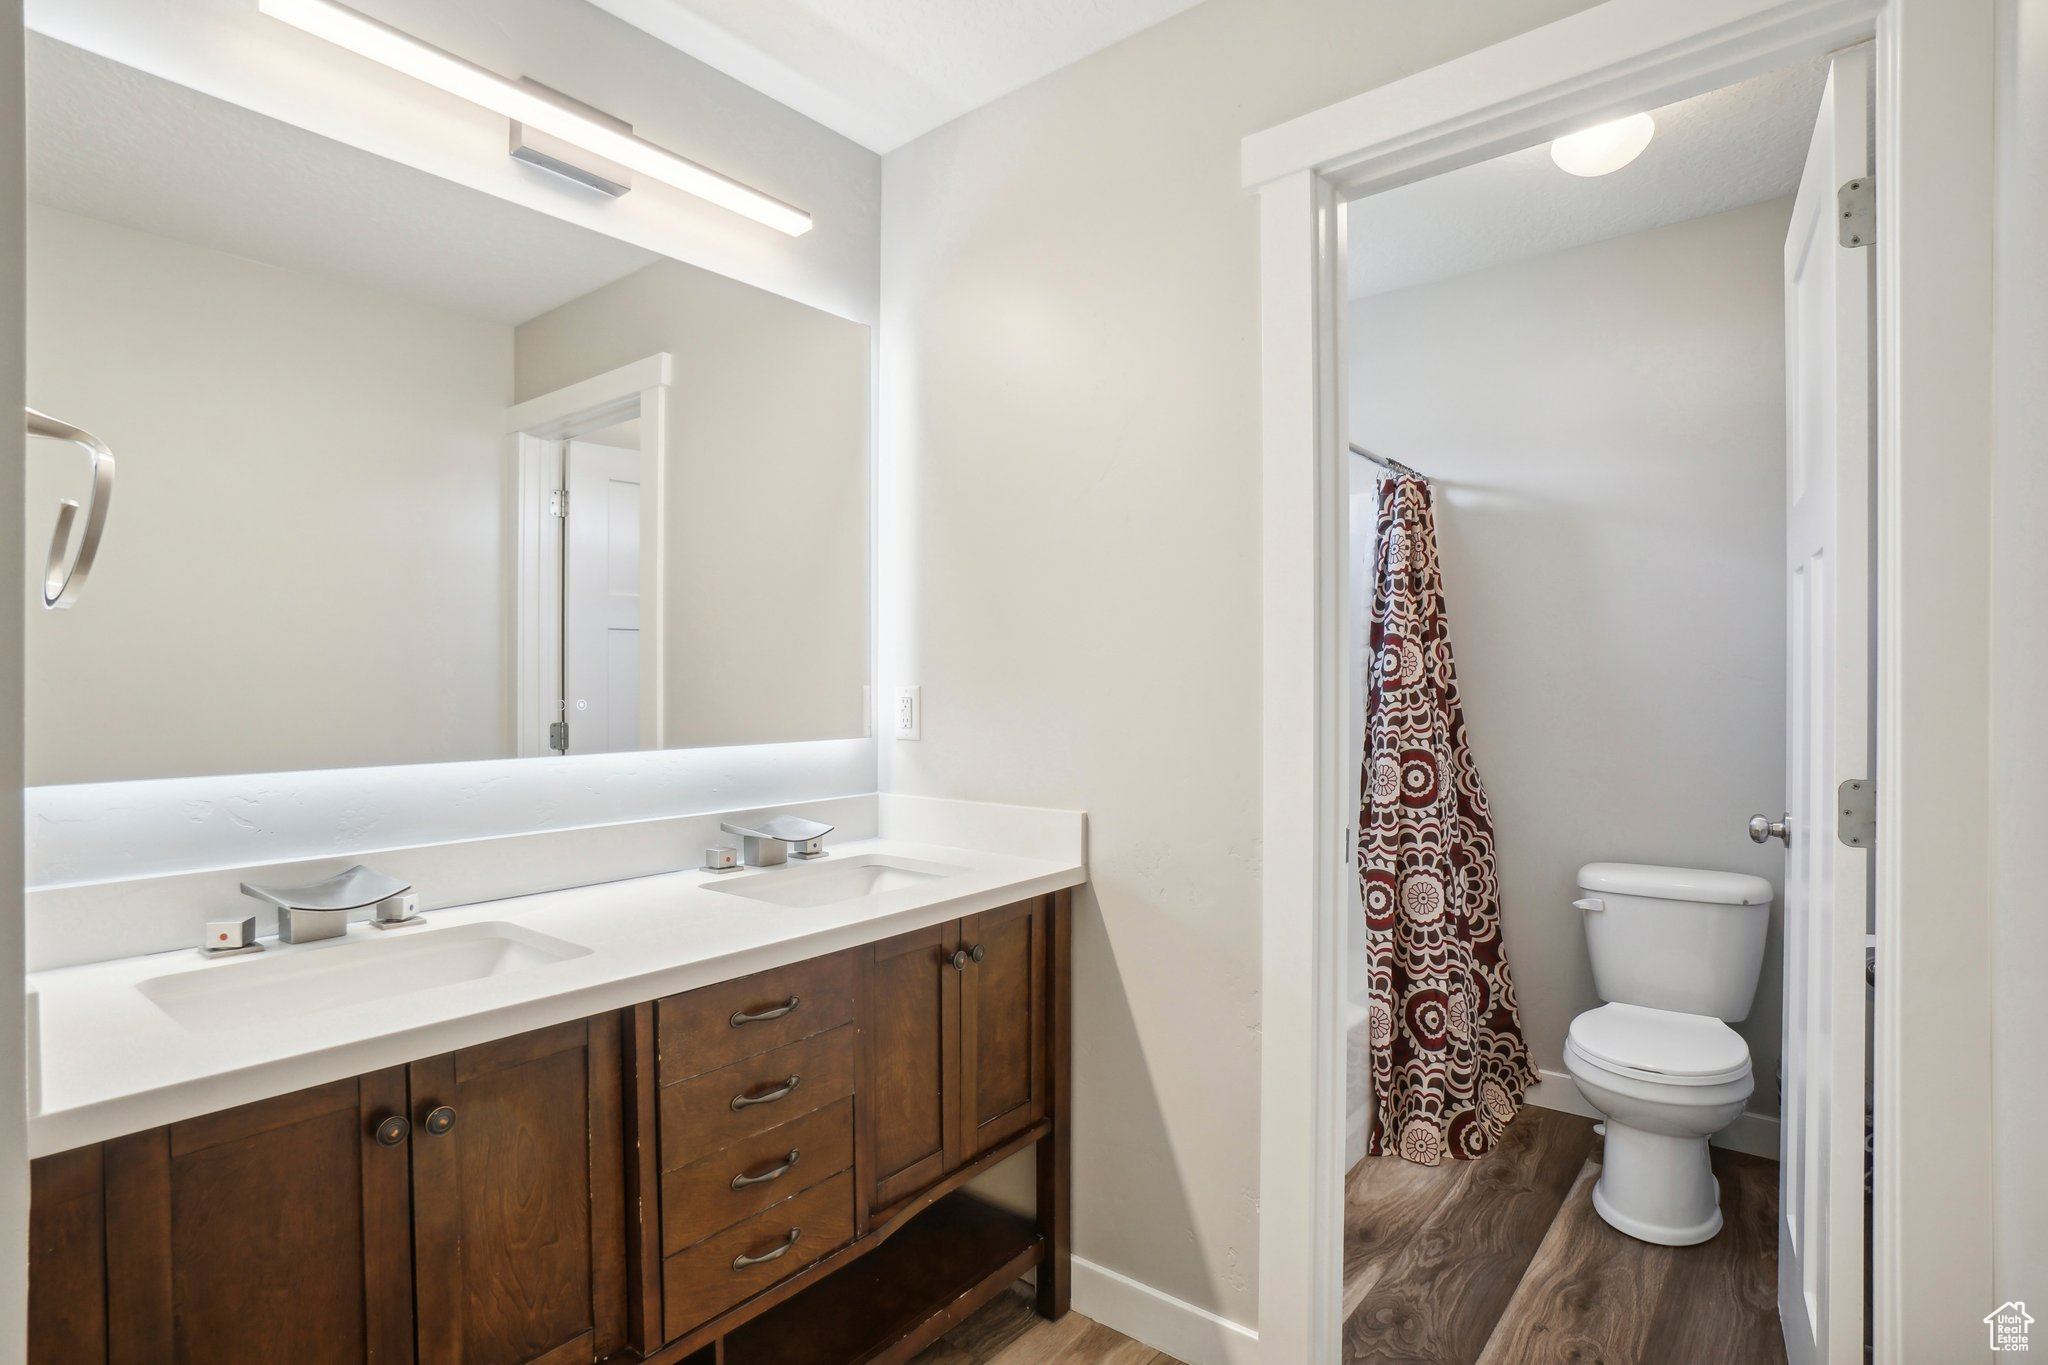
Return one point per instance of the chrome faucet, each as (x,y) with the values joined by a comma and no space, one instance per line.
(320,909)
(767,843)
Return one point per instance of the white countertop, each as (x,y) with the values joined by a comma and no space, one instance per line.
(113,1062)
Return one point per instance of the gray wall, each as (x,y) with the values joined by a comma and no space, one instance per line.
(1606,426)
(1069,551)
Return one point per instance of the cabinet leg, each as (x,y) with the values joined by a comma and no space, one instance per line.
(1055,1149)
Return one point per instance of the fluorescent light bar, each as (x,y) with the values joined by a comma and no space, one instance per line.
(381,43)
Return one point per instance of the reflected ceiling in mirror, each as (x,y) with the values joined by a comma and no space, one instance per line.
(351,403)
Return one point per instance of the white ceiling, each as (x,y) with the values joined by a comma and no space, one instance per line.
(883,71)
(113,143)
(1718,151)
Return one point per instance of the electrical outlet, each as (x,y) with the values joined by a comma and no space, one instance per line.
(909,712)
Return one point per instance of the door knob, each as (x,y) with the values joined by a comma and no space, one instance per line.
(1763,828)
(440,1120)
(393,1130)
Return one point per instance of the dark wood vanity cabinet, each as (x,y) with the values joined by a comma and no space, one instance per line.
(274,1231)
(1003,1004)
(466,1208)
(518,1203)
(765,1170)
(910,1062)
(953,1036)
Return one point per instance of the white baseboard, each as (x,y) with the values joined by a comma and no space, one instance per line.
(1756,1134)
(1161,1321)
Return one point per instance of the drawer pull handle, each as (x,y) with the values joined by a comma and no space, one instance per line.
(740,1017)
(441,1120)
(394,1129)
(742,1262)
(958,961)
(741,1181)
(780,1092)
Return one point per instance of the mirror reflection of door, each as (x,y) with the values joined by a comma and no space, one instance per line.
(601,596)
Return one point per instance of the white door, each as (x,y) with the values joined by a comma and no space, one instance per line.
(601,599)
(1827,564)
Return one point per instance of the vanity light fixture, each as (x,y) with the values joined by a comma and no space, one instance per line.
(531,106)
(1604,148)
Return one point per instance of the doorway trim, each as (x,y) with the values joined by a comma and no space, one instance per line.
(1934,1201)
(542,427)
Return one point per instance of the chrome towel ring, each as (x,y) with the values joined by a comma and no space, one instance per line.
(64,572)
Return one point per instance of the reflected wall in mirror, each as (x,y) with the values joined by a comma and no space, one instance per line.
(351,400)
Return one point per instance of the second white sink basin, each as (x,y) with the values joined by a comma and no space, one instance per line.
(802,885)
(248,992)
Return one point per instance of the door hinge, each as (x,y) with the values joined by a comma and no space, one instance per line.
(558,736)
(1856,211)
(558,502)
(1856,807)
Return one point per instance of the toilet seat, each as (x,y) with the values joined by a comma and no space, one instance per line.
(1662,1046)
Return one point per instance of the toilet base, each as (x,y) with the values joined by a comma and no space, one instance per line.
(1657,1188)
(1644,1232)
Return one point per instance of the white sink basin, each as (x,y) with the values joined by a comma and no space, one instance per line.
(833,880)
(247,992)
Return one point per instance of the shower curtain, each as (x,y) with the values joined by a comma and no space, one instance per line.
(1449,1065)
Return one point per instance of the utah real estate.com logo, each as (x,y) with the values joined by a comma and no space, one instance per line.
(2008,1324)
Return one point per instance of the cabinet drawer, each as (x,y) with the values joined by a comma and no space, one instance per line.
(700,1199)
(708,1028)
(717,1109)
(703,1282)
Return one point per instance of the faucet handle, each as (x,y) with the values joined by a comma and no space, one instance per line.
(225,936)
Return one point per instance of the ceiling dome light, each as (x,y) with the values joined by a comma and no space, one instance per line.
(1606,148)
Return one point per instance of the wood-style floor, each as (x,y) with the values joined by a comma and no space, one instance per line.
(1503,1261)
(1500,1261)
(1008,1332)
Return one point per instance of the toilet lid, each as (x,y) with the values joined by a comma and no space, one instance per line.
(1684,1049)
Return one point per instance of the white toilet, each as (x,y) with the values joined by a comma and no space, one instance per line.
(1676,952)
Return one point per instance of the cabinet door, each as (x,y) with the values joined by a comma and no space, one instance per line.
(1002,1025)
(909,1024)
(271,1232)
(518,1199)
(67,1259)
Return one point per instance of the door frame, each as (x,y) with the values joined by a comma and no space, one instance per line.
(541,427)
(1934,60)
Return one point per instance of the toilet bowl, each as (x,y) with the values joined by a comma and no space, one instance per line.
(1665,1082)
(1676,953)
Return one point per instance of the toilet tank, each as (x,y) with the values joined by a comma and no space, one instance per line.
(1675,938)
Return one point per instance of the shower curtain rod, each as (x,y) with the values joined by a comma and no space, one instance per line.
(1388,463)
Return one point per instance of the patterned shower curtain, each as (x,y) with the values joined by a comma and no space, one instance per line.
(1449,1065)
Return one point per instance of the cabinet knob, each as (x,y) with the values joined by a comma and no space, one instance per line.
(393,1130)
(440,1120)
(958,961)
(979,954)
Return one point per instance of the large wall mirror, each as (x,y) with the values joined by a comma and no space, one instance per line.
(409,473)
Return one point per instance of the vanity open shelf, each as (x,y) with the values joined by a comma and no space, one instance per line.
(766,1169)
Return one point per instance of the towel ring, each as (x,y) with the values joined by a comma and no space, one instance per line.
(64,572)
